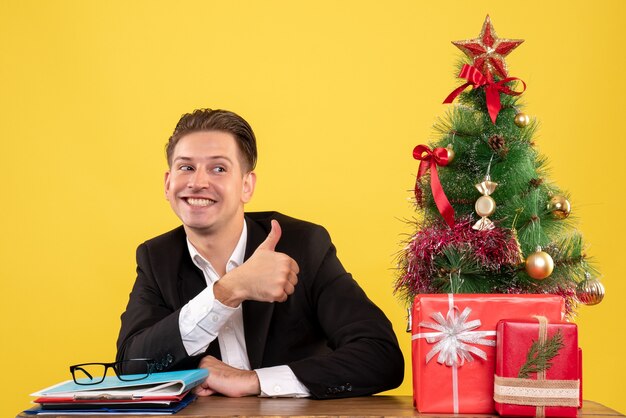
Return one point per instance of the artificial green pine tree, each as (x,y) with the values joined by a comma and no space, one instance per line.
(485,158)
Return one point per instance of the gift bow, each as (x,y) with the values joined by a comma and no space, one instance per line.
(492,89)
(431,159)
(452,334)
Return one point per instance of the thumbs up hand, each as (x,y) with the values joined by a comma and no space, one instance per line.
(267,276)
(272,238)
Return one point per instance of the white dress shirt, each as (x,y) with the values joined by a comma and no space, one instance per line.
(204,318)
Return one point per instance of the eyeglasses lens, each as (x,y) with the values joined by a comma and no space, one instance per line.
(89,374)
(132,369)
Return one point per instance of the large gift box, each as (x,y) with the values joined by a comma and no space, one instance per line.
(453,346)
(537,368)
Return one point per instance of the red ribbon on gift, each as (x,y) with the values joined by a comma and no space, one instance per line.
(492,89)
(431,159)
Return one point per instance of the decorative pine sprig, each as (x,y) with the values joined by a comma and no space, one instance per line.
(539,357)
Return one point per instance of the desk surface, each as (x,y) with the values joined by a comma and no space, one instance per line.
(373,406)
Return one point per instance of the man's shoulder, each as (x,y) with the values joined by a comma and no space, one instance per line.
(297,234)
(167,239)
(286,222)
(164,251)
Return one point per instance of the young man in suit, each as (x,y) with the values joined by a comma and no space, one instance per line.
(259,299)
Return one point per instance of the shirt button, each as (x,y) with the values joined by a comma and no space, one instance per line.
(215,318)
(277,389)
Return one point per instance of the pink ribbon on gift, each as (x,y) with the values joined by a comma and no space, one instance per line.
(452,336)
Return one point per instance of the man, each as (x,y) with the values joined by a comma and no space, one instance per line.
(259,299)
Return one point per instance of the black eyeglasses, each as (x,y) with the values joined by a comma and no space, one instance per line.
(126,370)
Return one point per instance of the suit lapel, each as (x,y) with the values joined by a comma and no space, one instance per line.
(256,315)
(190,279)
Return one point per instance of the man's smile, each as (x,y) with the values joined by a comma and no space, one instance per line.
(198,201)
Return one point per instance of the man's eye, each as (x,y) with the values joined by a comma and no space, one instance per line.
(185,168)
(219,169)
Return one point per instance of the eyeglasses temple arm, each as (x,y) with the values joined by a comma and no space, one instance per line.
(84,371)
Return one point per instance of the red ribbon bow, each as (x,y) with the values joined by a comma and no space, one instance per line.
(431,159)
(492,90)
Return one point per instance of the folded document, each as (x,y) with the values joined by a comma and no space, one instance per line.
(155,385)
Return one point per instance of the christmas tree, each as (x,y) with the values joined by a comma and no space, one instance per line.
(489,219)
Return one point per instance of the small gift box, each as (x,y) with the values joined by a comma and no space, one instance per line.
(453,346)
(537,368)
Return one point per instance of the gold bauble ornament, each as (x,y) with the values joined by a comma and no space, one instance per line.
(590,291)
(560,207)
(450,153)
(539,264)
(522,120)
(485,206)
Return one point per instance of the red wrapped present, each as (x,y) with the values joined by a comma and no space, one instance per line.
(537,368)
(453,347)
(580,373)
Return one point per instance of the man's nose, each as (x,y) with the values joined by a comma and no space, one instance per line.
(199,180)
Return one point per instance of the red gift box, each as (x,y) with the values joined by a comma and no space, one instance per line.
(453,347)
(580,375)
(553,393)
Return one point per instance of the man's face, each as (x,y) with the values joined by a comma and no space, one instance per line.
(205,184)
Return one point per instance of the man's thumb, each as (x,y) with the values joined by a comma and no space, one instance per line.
(272,238)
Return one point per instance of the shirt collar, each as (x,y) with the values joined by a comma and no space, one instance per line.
(235,260)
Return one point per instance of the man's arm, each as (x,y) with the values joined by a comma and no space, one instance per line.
(365,357)
(227,380)
(150,327)
(278,381)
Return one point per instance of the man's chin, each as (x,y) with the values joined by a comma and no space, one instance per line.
(199,228)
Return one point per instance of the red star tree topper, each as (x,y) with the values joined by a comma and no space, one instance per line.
(488,51)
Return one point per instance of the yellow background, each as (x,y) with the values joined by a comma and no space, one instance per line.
(338,93)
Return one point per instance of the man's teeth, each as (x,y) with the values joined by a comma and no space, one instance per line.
(200,202)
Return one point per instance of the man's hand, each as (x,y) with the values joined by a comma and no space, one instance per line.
(267,276)
(227,380)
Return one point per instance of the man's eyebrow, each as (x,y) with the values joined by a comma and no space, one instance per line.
(214,157)
(220,157)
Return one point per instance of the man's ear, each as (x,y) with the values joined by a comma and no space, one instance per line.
(167,183)
(249,181)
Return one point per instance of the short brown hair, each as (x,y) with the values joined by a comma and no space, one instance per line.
(217,120)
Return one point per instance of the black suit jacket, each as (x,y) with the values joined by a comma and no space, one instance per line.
(334,339)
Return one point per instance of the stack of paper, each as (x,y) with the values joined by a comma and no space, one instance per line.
(159,393)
